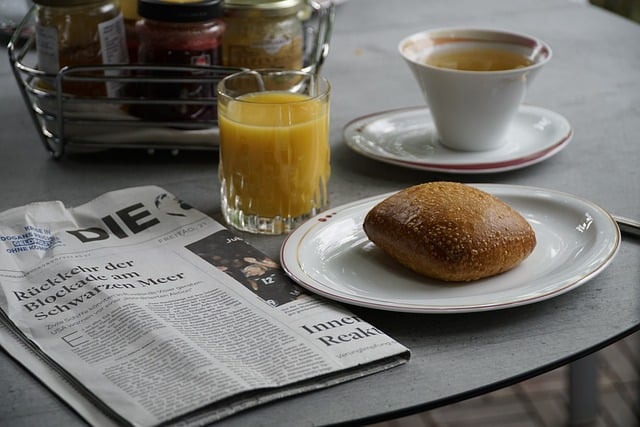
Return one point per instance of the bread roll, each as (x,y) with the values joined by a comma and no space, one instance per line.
(450,231)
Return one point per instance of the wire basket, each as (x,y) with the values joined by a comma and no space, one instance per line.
(72,123)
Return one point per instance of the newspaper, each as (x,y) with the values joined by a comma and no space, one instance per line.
(140,306)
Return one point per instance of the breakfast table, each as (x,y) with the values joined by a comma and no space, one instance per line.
(591,82)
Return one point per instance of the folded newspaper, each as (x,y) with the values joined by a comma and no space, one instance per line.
(137,309)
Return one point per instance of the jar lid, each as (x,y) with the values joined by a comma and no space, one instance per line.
(269,7)
(185,11)
(66,3)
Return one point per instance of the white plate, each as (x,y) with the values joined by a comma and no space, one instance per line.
(331,256)
(407,137)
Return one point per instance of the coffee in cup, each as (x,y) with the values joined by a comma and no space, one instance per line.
(473,80)
(478,59)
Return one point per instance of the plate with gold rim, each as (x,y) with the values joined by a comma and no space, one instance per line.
(331,255)
(407,137)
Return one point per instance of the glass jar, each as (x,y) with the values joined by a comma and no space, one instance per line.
(263,34)
(130,14)
(171,33)
(79,32)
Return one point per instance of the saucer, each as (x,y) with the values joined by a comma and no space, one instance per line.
(407,137)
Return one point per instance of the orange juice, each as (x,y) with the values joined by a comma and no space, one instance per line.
(274,154)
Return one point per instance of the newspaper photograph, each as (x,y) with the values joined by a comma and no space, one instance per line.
(141,306)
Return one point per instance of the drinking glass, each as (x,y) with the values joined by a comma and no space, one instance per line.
(274,148)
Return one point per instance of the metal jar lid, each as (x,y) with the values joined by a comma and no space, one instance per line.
(263,7)
(167,11)
(69,3)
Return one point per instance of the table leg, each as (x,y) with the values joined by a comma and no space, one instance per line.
(583,390)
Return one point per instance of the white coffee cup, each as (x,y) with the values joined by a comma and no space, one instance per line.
(471,107)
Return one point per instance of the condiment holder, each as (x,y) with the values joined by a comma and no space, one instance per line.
(69,121)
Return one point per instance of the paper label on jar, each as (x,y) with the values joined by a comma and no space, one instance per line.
(273,45)
(202,59)
(113,46)
(47,43)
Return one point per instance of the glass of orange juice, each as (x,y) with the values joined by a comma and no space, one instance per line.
(274,148)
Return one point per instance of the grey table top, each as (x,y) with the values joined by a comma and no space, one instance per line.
(593,80)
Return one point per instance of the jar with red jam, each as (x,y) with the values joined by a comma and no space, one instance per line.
(172,33)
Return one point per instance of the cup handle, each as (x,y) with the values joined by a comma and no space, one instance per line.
(318,25)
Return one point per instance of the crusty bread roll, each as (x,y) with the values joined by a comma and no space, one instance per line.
(450,231)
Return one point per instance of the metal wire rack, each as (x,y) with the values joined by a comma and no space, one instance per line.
(74,123)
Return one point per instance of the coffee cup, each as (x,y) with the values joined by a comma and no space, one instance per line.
(473,81)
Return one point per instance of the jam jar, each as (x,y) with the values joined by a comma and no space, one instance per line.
(79,32)
(264,34)
(171,34)
(130,14)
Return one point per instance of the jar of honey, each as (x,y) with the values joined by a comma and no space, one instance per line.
(179,33)
(79,32)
